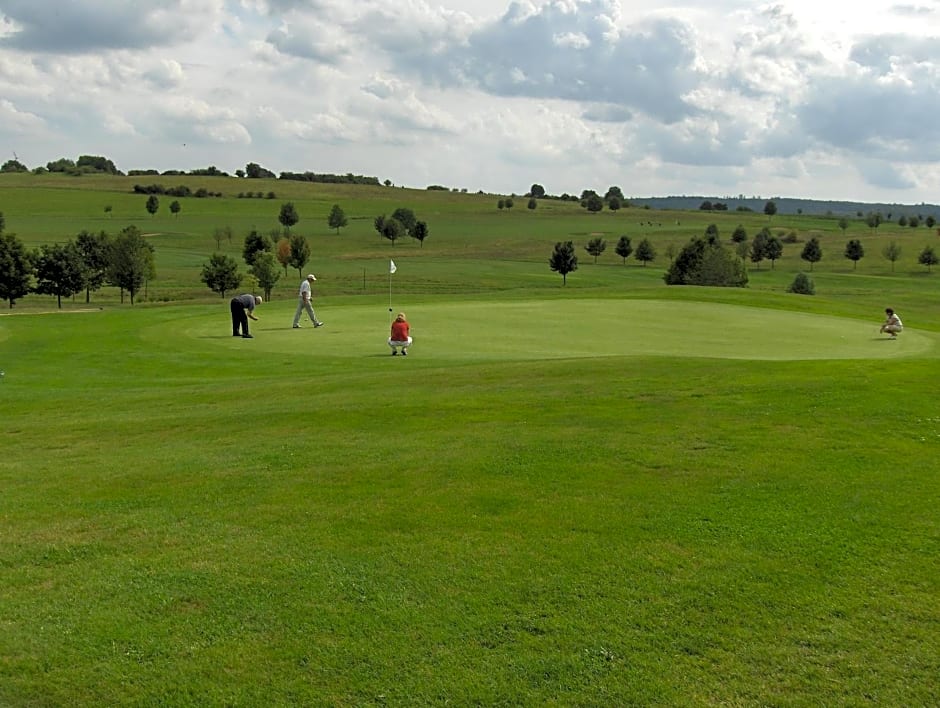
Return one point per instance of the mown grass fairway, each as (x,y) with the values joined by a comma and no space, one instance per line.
(610,493)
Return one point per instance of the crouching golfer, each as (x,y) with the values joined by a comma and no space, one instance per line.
(400,338)
(892,324)
(243,307)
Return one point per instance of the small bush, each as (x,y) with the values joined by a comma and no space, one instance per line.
(802,285)
(790,237)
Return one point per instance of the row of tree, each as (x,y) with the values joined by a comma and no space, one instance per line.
(85,263)
(402,222)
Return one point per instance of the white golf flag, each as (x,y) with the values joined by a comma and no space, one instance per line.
(391,267)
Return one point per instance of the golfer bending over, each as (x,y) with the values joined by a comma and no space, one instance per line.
(892,324)
(400,338)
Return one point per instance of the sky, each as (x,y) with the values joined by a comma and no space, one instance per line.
(720,98)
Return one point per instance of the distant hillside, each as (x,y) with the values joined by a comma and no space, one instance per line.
(792,206)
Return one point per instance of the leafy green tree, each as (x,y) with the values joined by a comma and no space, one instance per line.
(255,243)
(928,257)
(337,218)
(645,253)
(902,221)
(153,204)
(220,234)
(773,249)
(593,203)
(420,232)
(95,251)
(131,263)
(770,208)
(843,224)
(563,260)
(802,285)
(705,261)
(537,191)
(58,270)
(596,246)
(510,203)
(288,216)
(614,192)
(501,204)
(614,204)
(930,221)
(16,269)
(533,203)
(758,250)
(913,222)
(266,271)
(892,252)
(854,252)
(220,274)
(406,217)
(623,248)
(812,252)
(13,166)
(96,163)
(175,208)
(63,164)
(392,229)
(255,171)
(711,231)
(299,253)
(873,219)
(739,235)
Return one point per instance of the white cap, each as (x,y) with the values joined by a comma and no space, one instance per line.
(311,277)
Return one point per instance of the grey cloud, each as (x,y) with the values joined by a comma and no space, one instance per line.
(82,26)
(571,51)
(304,44)
(883,175)
(606,113)
(882,51)
(893,120)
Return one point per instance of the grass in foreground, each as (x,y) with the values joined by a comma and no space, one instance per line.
(186,520)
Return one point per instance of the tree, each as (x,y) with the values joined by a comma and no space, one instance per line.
(614,204)
(392,229)
(220,234)
(705,261)
(770,208)
(892,252)
(758,249)
(843,224)
(299,253)
(255,171)
(913,222)
(510,203)
(537,191)
(563,260)
(739,235)
(266,272)
(175,208)
(873,219)
(283,252)
(406,217)
(288,216)
(13,166)
(812,252)
(902,221)
(645,253)
(802,285)
(596,246)
(420,232)
(623,248)
(58,270)
(773,249)
(928,257)
(930,222)
(131,262)
(854,252)
(711,231)
(153,204)
(95,250)
(533,203)
(501,204)
(614,193)
(15,269)
(337,218)
(255,243)
(220,274)
(593,203)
